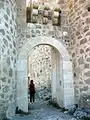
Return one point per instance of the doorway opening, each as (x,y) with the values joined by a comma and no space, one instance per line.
(62,88)
(39,70)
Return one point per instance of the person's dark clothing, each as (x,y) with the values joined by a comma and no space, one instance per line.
(32,92)
(32,97)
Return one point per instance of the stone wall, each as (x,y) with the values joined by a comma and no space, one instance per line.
(79,22)
(7,57)
(79,36)
(40,70)
(26,31)
(34,30)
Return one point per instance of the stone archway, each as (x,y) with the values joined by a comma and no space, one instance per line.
(67,87)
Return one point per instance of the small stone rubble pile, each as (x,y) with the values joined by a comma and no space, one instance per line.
(84,101)
(81,111)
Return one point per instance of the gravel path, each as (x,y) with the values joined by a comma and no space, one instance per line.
(42,111)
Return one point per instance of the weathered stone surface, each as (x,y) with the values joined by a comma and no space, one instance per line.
(5,42)
(81,113)
(6,89)
(87,66)
(78,19)
(81,83)
(14,43)
(87,74)
(14,51)
(85,14)
(1,6)
(9,81)
(12,17)
(88,49)
(3,79)
(11,97)
(11,29)
(86,28)
(73,55)
(11,22)
(81,51)
(10,72)
(87,81)
(10,46)
(2,95)
(27,36)
(6,17)
(8,60)
(84,101)
(5,70)
(74,74)
(88,20)
(0,87)
(81,60)
(8,11)
(88,59)
(88,33)
(8,37)
(2,31)
(84,88)
(83,41)
(6,25)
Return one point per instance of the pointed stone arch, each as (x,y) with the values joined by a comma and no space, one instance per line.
(67,74)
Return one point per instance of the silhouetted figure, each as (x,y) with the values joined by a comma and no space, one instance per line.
(32,91)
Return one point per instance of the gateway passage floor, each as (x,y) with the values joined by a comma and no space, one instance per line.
(43,111)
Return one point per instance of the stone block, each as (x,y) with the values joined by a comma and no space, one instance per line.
(3,79)
(84,101)
(5,42)
(83,41)
(6,89)
(81,60)
(87,81)
(8,37)
(88,59)
(8,60)
(2,31)
(6,17)
(8,11)
(6,24)
(67,65)
(81,51)
(10,72)
(87,73)
(1,6)
(88,20)
(87,66)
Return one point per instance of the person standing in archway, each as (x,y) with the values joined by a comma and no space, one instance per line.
(32,91)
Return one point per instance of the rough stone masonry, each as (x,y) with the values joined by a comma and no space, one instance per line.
(14,33)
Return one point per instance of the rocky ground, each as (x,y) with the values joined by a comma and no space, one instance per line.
(43,111)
